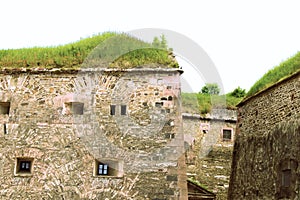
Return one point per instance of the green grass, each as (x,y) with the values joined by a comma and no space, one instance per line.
(274,75)
(115,50)
(199,103)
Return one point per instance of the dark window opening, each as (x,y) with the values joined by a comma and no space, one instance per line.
(75,108)
(292,97)
(108,168)
(227,134)
(4,129)
(170,98)
(164,99)
(123,109)
(4,108)
(286,178)
(24,166)
(112,109)
(169,87)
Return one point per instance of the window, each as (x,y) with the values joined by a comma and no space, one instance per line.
(75,108)
(123,109)
(108,168)
(286,178)
(112,109)
(227,134)
(4,108)
(24,166)
(4,129)
(102,169)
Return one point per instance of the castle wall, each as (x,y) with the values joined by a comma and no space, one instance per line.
(208,155)
(63,124)
(266,151)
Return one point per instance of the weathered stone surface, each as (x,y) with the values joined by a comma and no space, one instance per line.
(267,144)
(41,125)
(208,156)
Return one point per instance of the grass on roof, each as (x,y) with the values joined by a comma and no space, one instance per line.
(133,52)
(276,74)
(199,103)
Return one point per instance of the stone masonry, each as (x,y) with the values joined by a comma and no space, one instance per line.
(266,152)
(209,154)
(91,134)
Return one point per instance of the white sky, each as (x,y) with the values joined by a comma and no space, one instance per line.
(244,39)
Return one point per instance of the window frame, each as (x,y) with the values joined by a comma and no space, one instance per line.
(225,139)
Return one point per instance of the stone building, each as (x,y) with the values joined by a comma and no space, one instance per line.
(91,134)
(209,144)
(266,155)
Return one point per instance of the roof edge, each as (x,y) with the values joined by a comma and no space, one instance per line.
(282,80)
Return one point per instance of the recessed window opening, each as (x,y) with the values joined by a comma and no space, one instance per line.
(227,134)
(164,99)
(123,109)
(292,97)
(24,166)
(170,98)
(112,109)
(108,168)
(4,129)
(4,108)
(286,177)
(169,87)
(75,108)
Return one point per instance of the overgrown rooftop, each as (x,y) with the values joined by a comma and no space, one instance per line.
(283,70)
(111,49)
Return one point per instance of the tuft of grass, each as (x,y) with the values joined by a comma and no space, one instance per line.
(274,75)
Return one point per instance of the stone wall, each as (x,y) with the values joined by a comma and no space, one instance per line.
(266,151)
(62,123)
(208,156)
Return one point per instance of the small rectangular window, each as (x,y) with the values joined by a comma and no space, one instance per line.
(227,134)
(112,109)
(74,108)
(286,177)
(4,108)
(4,129)
(102,169)
(123,109)
(23,166)
(108,168)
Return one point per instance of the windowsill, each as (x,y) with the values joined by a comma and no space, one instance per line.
(104,176)
(23,174)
